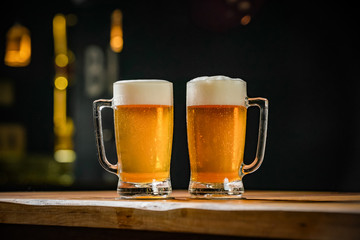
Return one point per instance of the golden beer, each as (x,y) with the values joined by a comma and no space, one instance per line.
(216,140)
(216,125)
(143,141)
(143,124)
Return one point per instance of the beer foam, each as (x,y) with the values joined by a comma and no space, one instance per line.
(216,90)
(144,92)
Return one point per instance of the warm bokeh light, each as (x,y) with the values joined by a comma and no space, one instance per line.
(245,20)
(59,110)
(18,46)
(63,125)
(64,132)
(116,43)
(59,31)
(116,34)
(65,156)
(61,60)
(61,83)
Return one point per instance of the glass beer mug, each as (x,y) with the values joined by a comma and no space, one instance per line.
(216,124)
(143,124)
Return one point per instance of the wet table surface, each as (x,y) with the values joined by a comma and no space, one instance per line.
(260,214)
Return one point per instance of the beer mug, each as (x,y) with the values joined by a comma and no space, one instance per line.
(216,124)
(143,124)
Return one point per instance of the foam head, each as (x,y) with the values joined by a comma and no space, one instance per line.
(216,90)
(144,92)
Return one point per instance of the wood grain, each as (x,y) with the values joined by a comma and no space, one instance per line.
(292,215)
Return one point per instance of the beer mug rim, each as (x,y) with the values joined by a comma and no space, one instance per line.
(216,90)
(160,81)
(215,78)
(143,92)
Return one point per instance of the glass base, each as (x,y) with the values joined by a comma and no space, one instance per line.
(153,190)
(224,190)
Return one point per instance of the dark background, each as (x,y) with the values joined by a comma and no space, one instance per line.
(298,54)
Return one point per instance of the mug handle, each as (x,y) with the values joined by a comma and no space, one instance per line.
(98,105)
(263,105)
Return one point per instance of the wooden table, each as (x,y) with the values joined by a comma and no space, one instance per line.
(262,214)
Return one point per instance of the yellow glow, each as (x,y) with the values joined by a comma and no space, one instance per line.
(63,125)
(64,132)
(66,179)
(59,32)
(59,110)
(61,83)
(18,46)
(116,43)
(116,33)
(245,20)
(65,156)
(61,60)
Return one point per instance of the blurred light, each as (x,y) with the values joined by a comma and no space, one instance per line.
(116,43)
(7,93)
(245,20)
(71,20)
(66,180)
(61,83)
(71,56)
(65,156)
(116,34)
(64,131)
(63,125)
(61,60)
(59,111)
(107,135)
(18,46)
(94,71)
(244,6)
(59,31)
